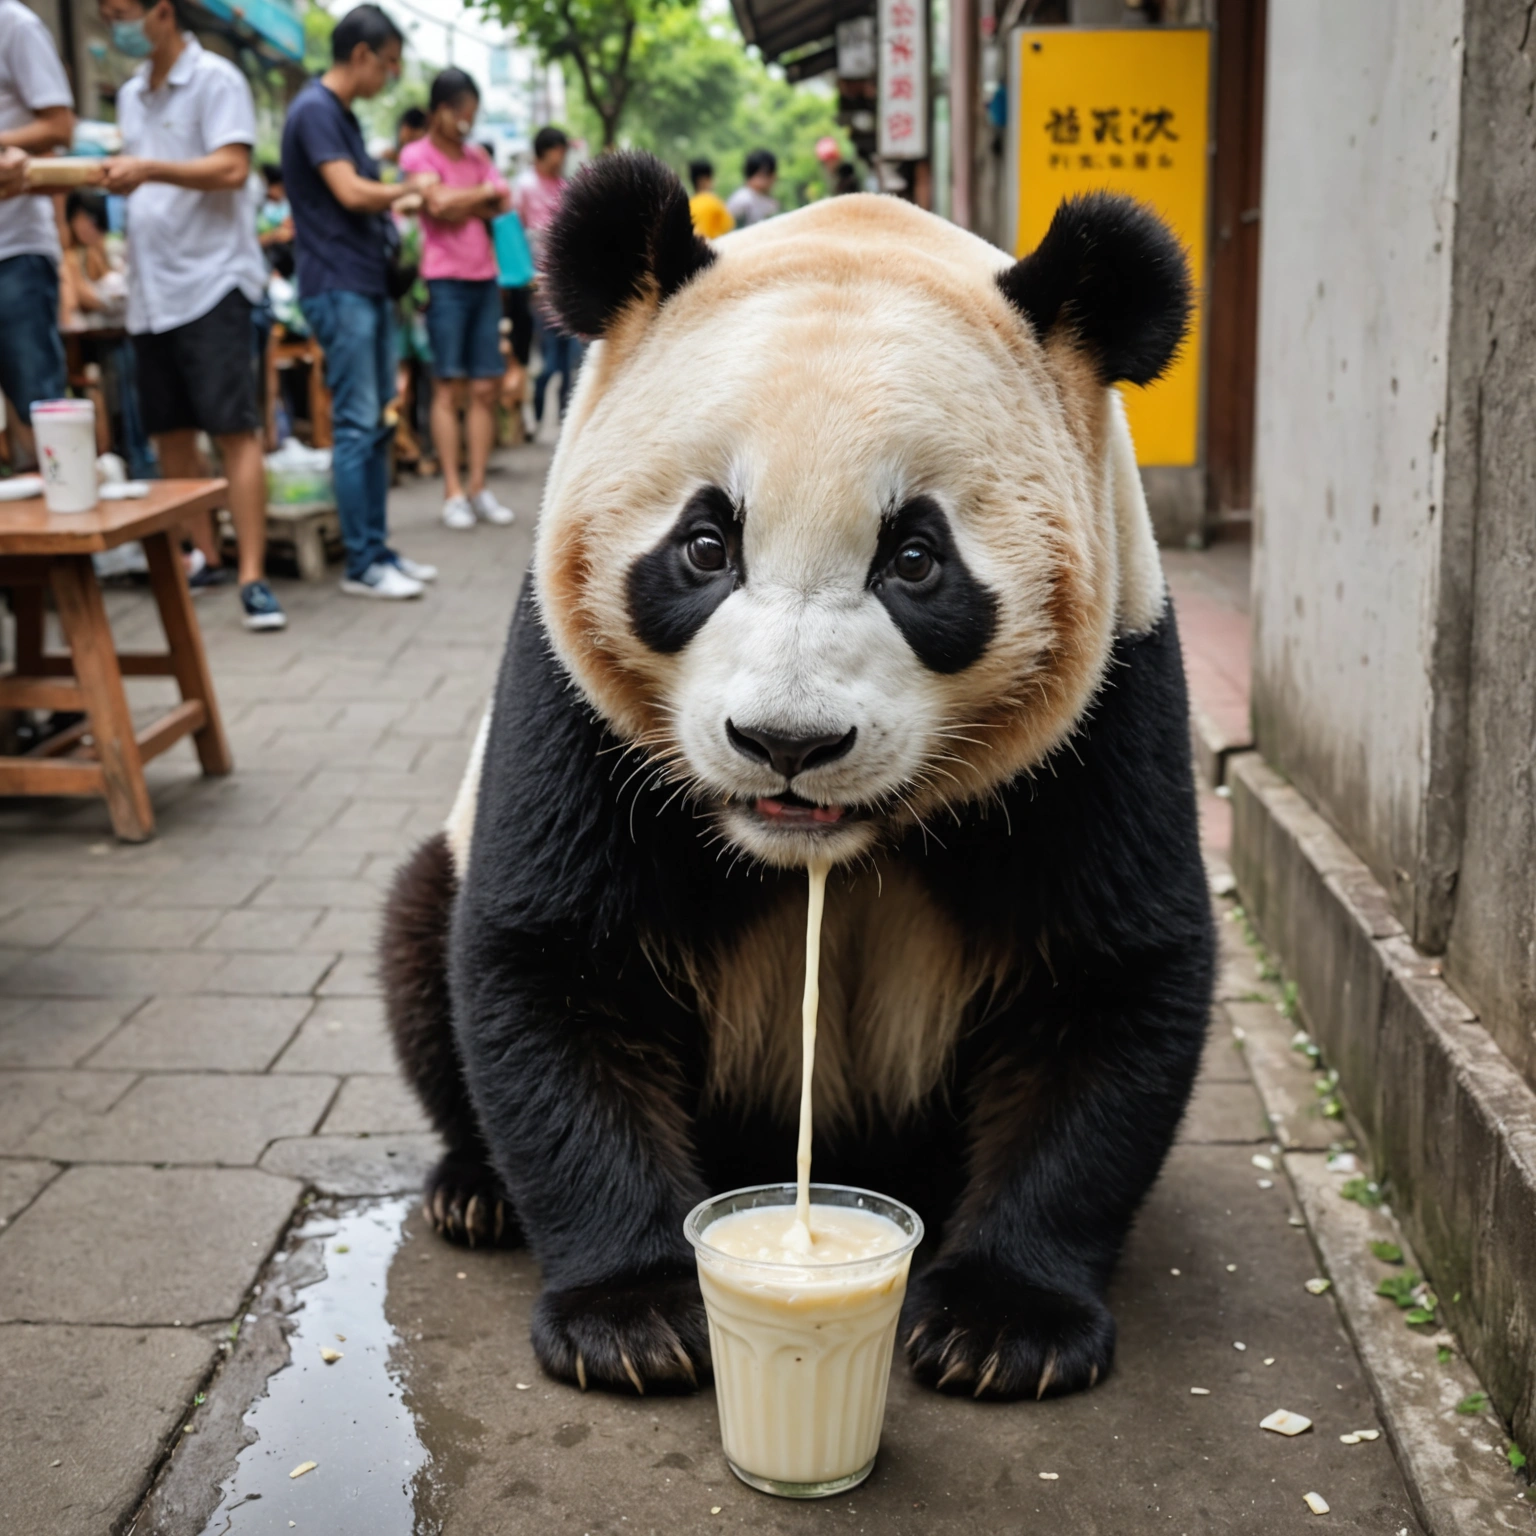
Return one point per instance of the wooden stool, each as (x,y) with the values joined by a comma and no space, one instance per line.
(306,528)
(284,352)
(105,756)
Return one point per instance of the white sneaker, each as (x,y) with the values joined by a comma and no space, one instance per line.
(417,570)
(486,506)
(382,581)
(458,513)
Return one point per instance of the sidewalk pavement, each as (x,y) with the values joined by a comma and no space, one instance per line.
(191,1045)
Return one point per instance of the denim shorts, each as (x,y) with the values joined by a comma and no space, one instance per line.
(31,352)
(464,325)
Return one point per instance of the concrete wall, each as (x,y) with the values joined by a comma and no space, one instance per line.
(1492,492)
(1360,162)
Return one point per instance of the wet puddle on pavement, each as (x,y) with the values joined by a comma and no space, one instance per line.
(348,1417)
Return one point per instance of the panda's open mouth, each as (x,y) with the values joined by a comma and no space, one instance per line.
(791,811)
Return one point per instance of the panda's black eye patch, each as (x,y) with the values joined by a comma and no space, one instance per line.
(674,587)
(943,612)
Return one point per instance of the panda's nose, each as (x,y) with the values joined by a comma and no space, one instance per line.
(789,755)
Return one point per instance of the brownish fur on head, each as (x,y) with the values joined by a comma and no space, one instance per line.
(844,518)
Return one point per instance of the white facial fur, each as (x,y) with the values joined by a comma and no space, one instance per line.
(830,367)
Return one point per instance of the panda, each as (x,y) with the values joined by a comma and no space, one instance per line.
(842,556)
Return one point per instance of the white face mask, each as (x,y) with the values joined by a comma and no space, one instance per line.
(464,129)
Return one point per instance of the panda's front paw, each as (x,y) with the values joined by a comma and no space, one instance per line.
(630,1335)
(976,1331)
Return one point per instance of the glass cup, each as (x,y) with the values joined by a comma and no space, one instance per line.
(802,1352)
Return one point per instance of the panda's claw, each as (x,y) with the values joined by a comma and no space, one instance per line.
(460,1196)
(640,1335)
(1047,1372)
(630,1371)
(973,1327)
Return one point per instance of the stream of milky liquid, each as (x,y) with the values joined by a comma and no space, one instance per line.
(798,1238)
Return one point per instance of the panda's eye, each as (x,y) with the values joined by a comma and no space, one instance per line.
(913,562)
(706,551)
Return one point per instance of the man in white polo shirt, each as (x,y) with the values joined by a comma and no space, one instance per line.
(195,268)
(36,116)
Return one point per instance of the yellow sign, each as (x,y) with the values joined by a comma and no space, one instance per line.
(1105,109)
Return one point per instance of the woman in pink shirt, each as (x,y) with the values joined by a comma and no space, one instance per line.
(464,314)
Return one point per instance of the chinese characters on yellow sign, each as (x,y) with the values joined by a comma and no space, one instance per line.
(1121,111)
(903,95)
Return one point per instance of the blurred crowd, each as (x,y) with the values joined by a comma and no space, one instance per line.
(193,304)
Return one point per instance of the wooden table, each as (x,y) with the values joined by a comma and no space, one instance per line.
(104,755)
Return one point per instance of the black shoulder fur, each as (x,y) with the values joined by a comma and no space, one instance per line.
(1113,274)
(584,1068)
(623,228)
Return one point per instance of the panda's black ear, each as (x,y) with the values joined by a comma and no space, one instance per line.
(623,233)
(1112,275)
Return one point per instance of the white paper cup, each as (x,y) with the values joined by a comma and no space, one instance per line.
(65,431)
(802,1352)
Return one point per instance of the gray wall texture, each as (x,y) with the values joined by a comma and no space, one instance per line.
(1395,611)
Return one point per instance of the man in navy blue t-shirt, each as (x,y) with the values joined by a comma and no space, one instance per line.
(340,225)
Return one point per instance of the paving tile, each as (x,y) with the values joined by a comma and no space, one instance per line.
(348,928)
(1220,1112)
(184,1245)
(374,1104)
(356,1165)
(318,891)
(27,1099)
(372,715)
(324,864)
(1223,1060)
(364,839)
(210,1033)
(140,928)
(343,1035)
(222,887)
(320,749)
(20,1183)
(69,972)
(58,1032)
(101,1403)
(184,1117)
(352,976)
(265,974)
(39,926)
(269,928)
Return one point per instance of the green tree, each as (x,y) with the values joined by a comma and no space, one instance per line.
(598,40)
(697,90)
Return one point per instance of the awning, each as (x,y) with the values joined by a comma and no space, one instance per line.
(274,21)
(778,27)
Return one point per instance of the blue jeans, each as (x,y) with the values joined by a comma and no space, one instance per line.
(464,324)
(31,352)
(353,330)
(558,353)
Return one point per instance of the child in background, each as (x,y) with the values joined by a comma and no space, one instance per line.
(464,315)
(711,218)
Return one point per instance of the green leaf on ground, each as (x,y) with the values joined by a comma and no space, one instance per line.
(1420,1315)
(1444,1355)
(1473,1402)
(1399,1288)
(1288,1000)
(1516,1457)
(1388,1253)
(1362,1191)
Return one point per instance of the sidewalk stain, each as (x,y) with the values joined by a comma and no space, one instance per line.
(348,1416)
